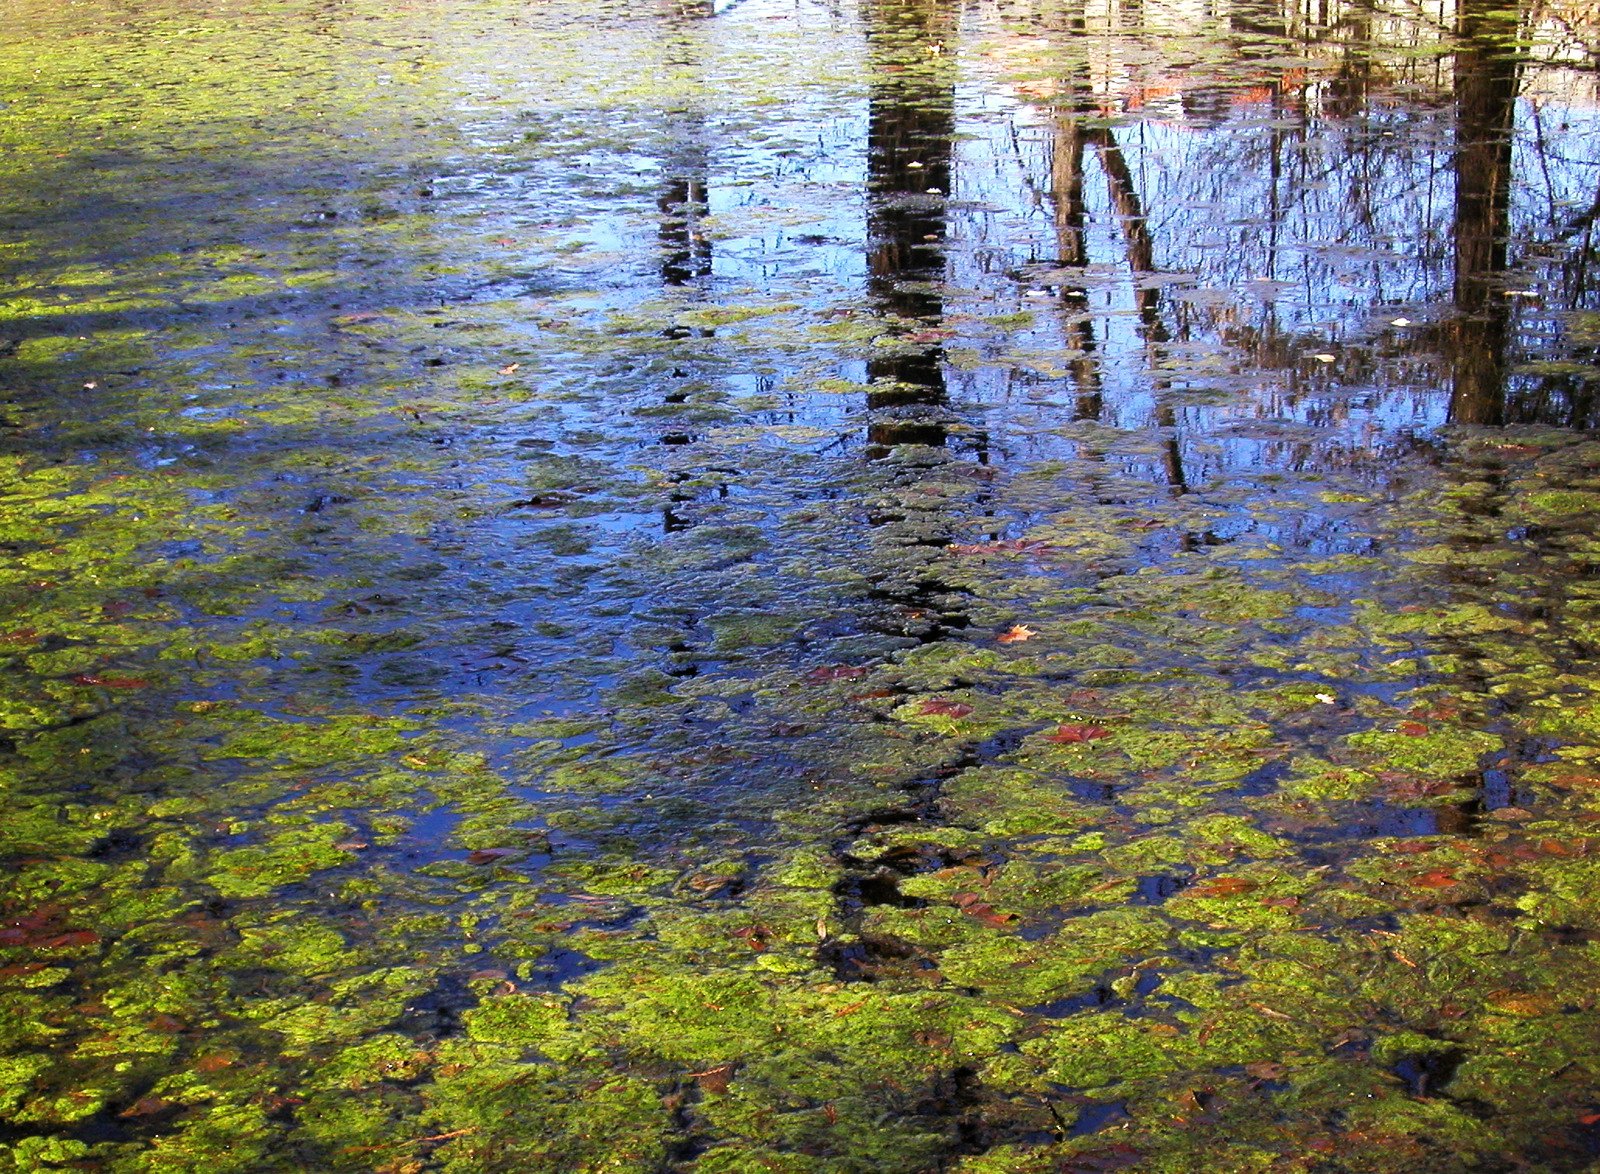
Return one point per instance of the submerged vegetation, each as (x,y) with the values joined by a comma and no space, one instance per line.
(777,588)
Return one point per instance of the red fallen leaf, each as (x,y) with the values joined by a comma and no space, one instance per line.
(489,855)
(22,969)
(215,1062)
(1223,886)
(1009,546)
(716,1079)
(110,682)
(1510,814)
(1413,787)
(874,695)
(754,936)
(62,941)
(941,707)
(1566,781)
(1016,634)
(975,906)
(1589,1119)
(1437,878)
(1068,734)
(1281,902)
(145,1107)
(837,672)
(1413,729)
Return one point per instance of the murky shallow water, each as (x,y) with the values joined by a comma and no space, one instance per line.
(784,587)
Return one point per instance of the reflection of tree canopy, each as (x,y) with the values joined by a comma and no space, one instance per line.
(1317,171)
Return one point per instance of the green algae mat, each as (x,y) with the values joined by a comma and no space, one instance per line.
(805,587)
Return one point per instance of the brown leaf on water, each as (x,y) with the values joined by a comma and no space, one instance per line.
(755,936)
(1016,634)
(110,682)
(976,907)
(1223,886)
(1008,546)
(1437,878)
(1510,814)
(1066,735)
(1520,1003)
(1413,729)
(350,845)
(489,855)
(944,707)
(715,1080)
(146,1107)
(510,368)
(837,672)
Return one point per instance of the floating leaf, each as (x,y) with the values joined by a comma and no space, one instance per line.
(1010,546)
(1016,634)
(973,905)
(1223,886)
(1438,878)
(837,672)
(1068,734)
(715,1080)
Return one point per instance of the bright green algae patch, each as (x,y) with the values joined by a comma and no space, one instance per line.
(456,718)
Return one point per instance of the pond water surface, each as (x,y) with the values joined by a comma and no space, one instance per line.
(788,586)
